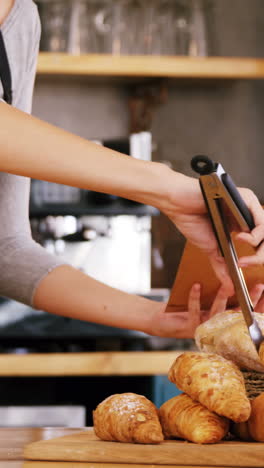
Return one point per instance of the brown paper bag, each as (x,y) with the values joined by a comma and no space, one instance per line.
(195,268)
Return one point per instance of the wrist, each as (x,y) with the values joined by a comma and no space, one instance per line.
(175,193)
(186,197)
(149,320)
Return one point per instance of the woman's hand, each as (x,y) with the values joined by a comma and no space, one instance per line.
(256,236)
(72,160)
(188,212)
(257,298)
(184,324)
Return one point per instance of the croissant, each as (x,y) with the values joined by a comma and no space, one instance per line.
(187,419)
(226,334)
(253,429)
(261,351)
(214,381)
(241,431)
(255,422)
(128,417)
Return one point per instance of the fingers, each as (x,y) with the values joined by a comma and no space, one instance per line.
(260,306)
(220,301)
(256,293)
(256,297)
(257,259)
(194,306)
(255,239)
(256,236)
(194,299)
(253,204)
(220,268)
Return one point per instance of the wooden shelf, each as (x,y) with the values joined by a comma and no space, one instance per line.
(87,364)
(150,66)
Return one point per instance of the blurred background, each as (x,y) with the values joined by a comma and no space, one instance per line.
(126,245)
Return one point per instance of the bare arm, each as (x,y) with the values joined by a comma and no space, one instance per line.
(34,148)
(31,147)
(69,292)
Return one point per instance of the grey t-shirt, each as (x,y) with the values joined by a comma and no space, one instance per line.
(23,262)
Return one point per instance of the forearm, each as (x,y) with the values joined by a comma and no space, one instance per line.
(69,292)
(43,151)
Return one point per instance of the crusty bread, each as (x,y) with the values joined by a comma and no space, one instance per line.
(206,332)
(128,417)
(184,418)
(226,334)
(214,381)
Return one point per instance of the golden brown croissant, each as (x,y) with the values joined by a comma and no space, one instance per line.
(256,420)
(253,429)
(128,417)
(214,381)
(241,431)
(226,334)
(183,417)
(261,351)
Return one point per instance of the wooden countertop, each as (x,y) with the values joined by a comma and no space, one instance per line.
(13,441)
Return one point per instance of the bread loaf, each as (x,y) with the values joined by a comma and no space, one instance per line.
(184,418)
(206,333)
(227,335)
(214,381)
(128,417)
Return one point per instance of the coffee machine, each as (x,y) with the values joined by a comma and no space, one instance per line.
(106,236)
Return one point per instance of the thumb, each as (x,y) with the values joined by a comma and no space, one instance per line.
(220,269)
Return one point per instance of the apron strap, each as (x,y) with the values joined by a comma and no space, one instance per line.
(5,73)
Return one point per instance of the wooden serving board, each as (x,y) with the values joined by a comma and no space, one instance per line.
(86,447)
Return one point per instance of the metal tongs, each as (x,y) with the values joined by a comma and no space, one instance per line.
(220,192)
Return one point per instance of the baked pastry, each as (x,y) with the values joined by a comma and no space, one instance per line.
(255,422)
(214,381)
(253,429)
(227,335)
(127,417)
(241,431)
(261,351)
(206,333)
(187,419)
